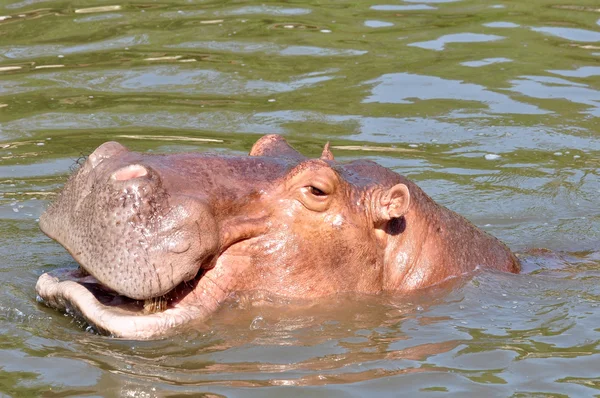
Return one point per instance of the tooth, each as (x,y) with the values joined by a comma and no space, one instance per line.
(155,304)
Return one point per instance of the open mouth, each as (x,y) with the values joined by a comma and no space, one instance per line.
(75,291)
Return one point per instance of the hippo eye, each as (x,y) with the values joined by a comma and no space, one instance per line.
(315,187)
(316,191)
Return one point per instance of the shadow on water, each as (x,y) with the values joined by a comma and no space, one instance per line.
(490,106)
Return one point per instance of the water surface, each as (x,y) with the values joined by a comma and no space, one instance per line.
(493,108)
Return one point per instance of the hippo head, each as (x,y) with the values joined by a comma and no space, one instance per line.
(164,239)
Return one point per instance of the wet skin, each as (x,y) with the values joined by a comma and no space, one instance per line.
(163,240)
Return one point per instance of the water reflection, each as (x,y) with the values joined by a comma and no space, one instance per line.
(378,24)
(500,24)
(430,1)
(584,71)
(36,170)
(183,14)
(548,88)
(51,370)
(21,52)
(457,136)
(485,62)
(497,120)
(176,79)
(269,48)
(405,7)
(400,88)
(96,18)
(24,3)
(573,34)
(264,9)
(440,43)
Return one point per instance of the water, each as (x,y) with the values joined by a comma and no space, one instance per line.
(491,106)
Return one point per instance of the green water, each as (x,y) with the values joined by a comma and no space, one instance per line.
(493,107)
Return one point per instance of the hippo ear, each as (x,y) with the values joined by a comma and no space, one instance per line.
(275,146)
(326,154)
(392,203)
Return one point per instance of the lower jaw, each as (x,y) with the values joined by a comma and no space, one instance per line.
(115,315)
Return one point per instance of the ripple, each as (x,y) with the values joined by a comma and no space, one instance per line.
(377,24)
(72,372)
(584,71)
(553,81)
(318,52)
(269,48)
(25,3)
(500,24)
(440,43)
(175,79)
(573,34)
(485,62)
(263,9)
(493,335)
(407,7)
(275,354)
(14,87)
(473,137)
(96,18)
(47,168)
(183,14)
(397,88)
(295,25)
(535,87)
(20,52)
(431,1)
(215,121)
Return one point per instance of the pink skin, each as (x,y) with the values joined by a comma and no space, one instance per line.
(195,228)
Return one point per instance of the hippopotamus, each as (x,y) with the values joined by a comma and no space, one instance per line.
(164,239)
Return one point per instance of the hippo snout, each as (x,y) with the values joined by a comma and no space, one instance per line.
(121,220)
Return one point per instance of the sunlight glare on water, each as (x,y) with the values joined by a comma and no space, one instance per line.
(492,107)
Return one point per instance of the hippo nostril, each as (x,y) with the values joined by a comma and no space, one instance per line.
(130,172)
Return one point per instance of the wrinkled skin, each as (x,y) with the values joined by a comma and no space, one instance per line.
(194,228)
